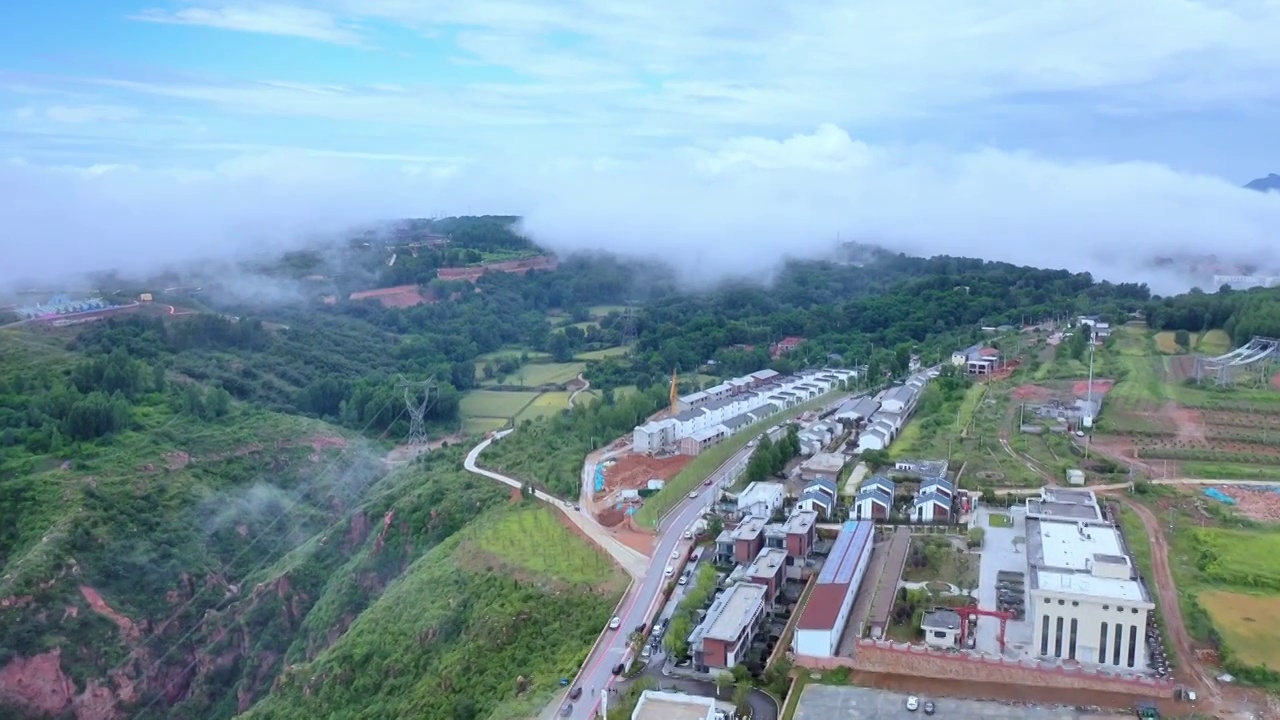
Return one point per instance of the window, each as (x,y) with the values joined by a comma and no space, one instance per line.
(1057,642)
(1115,655)
(1102,645)
(1075,603)
(1134,610)
(1071,646)
(1062,602)
(1046,601)
(1133,643)
(1119,608)
(1044,634)
(940,633)
(1106,607)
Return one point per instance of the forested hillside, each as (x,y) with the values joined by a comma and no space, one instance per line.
(198,517)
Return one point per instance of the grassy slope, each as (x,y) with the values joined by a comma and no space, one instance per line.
(479,627)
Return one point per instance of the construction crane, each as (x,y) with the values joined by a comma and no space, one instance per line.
(675,392)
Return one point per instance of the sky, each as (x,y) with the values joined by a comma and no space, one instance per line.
(722,135)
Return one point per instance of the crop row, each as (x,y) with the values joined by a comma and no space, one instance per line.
(1208,455)
(1263,436)
(1241,406)
(1239,419)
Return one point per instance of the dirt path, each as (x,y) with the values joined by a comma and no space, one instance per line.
(1194,674)
(586,385)
(1189,423)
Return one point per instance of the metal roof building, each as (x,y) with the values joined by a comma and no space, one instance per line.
(825,614)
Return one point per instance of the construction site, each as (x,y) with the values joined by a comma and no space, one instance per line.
(622,482)
(1256,360)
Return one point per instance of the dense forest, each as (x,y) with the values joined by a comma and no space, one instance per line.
(217,479)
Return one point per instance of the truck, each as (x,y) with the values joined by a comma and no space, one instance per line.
(1147,711)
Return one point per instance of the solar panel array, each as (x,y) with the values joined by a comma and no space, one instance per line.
(847,553)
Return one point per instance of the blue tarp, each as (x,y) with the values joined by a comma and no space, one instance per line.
(1217,495)
(599,478)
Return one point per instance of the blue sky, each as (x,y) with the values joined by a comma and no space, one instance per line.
(941,111)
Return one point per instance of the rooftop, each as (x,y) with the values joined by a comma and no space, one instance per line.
(749,529)
(733,611)
(941,620)
(823,484)
(901,393)
(817,496)
(1065,504)
(863,407)
(854,537)
(709,432)
(801,521)
(923,468)
(1064,557)
(931,497)
(659,705)
(825,463)
(1086,584)
(767,563)
(761,492)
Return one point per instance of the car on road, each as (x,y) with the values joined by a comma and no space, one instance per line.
(929,707)
(707,482)
(575,693)
(693,493)
(567,710)
(913,703)
(669,571)
(615,623)
(617,669)
(688,534)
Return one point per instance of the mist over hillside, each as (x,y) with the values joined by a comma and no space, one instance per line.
(734,210)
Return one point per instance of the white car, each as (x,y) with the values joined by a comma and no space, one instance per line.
(913,703)
(693,493)
(688,534)
(675,554)
(669,571)
(615,623)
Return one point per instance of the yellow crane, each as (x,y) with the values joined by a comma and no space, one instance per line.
(675,392)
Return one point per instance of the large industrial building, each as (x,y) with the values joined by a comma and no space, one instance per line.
(826,612)
(1087,602)
(707,417)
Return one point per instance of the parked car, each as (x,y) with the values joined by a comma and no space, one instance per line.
(675,554)
(913,703)
(646,652)
(669,571)
(928,707)
(684,580)
(575,693)
(615,623)
(617,669)
(567,710)
(688,534)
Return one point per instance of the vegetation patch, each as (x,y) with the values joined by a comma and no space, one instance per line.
(482,425)
(1238,558)
(495,403)
(604,354)
(548,403)
(533,543)
(1249,625)
(551,373)
(935,558)
(999,520)
(1214,343)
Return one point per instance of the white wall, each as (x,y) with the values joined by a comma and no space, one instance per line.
(1090,616)
(815,643)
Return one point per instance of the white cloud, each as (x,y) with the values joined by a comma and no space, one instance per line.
(268,19)
(735,208)
(88,114)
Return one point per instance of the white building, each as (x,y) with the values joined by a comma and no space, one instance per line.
(874,438)
(874,499)
(761,499)
(826,612)
(822,465)
(1086,602)
(941,628)
(660,705)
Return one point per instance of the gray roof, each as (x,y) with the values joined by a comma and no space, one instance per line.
(901,393)
(941,620)
(935,482)
(817,496)
(879,481)
(824,484)
(930,497)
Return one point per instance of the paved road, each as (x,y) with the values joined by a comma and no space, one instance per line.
(640,602)
(631,560)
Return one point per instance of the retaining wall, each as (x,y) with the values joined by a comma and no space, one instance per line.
(904,659)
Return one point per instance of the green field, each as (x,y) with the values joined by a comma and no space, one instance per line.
(604,354)
(514,352)
(482,425)
(1214,342)
(494,403)
(551,373)
(1239,558)
(548,403)
(1249,625)
(561,554)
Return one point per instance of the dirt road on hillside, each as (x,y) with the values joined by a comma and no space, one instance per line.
(1193,673)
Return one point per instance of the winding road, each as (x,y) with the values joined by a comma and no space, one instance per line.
(641,599)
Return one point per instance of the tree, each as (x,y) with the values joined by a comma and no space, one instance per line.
(723,679)
(1182,339)
(876,459)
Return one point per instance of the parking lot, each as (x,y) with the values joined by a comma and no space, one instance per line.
(1002,552)
(823,702)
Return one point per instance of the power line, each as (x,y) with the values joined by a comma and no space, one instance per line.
(196,626)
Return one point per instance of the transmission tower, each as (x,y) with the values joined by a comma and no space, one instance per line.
(419,396)
(628,326)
